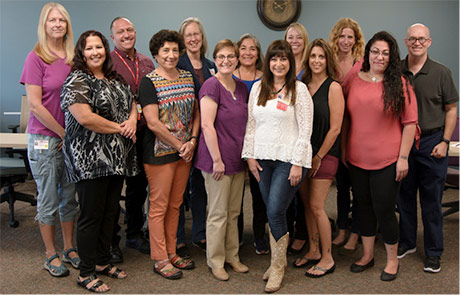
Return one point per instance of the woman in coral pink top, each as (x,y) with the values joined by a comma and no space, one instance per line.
(380,125)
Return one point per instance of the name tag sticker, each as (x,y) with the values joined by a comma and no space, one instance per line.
(41,144)
(281,106)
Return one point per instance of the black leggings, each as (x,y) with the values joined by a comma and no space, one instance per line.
(99,202)
(376,192)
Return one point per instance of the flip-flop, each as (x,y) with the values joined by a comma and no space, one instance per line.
(324,270)
(307,262)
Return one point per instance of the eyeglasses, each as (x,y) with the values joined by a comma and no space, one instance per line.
(421,40)
(222,57)
(376,52)
(190,36)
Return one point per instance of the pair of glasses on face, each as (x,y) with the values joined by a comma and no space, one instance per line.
(376,52)
(222,57)
(190,36)
(420,40)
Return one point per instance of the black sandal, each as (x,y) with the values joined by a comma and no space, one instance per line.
(93,288)
(115,274)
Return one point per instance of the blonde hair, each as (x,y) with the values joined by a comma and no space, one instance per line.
(303,32)
(204,41)
(41,47)
(343,23)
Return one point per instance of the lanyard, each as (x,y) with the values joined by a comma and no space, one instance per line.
(136,59)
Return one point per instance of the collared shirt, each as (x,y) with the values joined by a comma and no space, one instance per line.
(434,88)
(145,66)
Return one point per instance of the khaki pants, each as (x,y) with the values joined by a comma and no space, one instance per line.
(167,184)
(224,206)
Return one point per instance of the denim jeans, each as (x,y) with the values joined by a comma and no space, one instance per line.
(54,192)
(277,193)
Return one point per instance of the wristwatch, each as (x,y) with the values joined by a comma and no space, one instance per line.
(445,140)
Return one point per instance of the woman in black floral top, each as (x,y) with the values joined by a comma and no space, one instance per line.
(100,121)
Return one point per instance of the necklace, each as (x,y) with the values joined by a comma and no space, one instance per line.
(279,90)
(373,79)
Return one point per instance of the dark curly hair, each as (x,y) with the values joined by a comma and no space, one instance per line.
(158,40)
(393,93)
(278,48)
(79,60)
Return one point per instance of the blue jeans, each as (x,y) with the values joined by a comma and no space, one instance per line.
(198,202)
(277,193)
(54,192)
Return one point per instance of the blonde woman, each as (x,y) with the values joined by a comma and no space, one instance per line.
(45,70)
(297,36)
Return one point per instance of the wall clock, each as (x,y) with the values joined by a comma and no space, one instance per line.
(278,14)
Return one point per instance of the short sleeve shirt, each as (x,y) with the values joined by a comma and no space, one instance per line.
(434,88)
(88,154)
(230,125)
(50,78)
(374,135)
(176,101)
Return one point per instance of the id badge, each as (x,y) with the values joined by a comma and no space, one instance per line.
(41,144)
(139,109)
(281,106)
(212,71)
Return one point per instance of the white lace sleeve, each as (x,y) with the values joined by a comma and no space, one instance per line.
(304,114)
(248,144)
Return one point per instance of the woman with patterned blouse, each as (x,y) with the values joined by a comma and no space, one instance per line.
(167,96)
(100,121)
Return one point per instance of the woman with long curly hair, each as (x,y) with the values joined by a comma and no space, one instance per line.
(381,111)
(347,42)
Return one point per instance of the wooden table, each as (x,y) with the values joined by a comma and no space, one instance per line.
(454,148)
(13,140)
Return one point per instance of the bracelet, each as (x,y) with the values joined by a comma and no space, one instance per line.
(191,142)
(403,157)
(319,157)
(445,140)
(192,137)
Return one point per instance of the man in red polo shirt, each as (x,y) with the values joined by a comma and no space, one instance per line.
(132,65)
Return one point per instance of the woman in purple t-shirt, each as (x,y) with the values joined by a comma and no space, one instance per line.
(224,113)
(45,70)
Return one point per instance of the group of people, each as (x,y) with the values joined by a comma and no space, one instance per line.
(190,128)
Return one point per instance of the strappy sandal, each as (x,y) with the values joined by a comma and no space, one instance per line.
(182,263)
(170,273)
(114,274)
(75,262)
(93,288)
(55,271)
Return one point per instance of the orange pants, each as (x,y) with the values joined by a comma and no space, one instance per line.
(167,184)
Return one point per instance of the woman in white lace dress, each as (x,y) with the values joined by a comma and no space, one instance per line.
(277,146)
